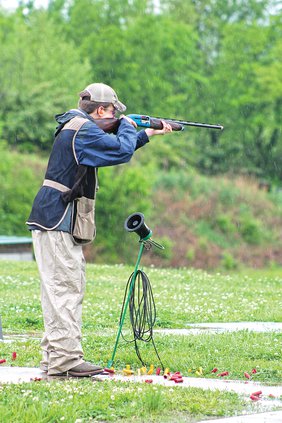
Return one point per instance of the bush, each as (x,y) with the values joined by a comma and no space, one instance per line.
(205,230)
(225,224)
(228,262)
(191,254)
(20,178)
(251,230)
(123,190)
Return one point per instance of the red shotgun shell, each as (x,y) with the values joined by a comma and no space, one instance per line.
(257,393)
(223,374)
(254,397)
(109,370)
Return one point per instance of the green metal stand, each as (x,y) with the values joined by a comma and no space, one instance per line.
(142,243)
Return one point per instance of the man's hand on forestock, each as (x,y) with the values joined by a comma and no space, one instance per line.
(129,120)
(165,130)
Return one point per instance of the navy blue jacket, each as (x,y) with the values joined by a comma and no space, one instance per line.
(89,146)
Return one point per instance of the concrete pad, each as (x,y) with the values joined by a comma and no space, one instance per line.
(25,374)
(235,326)
(193,329)
(20,374)
(198,328)
(8,339)
(270,417)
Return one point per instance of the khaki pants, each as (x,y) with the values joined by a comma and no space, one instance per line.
(61,267)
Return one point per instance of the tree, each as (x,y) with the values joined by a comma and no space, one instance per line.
(248,106)
(240,44)
(41,74)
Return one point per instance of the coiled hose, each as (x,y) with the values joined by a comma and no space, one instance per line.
(142,311)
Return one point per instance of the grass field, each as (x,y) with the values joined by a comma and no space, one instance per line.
(182,296)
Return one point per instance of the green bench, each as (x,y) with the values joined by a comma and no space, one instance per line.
(16,248)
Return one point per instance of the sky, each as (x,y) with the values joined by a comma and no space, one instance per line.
(13,4)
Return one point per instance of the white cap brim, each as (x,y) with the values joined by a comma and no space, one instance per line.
(119,106)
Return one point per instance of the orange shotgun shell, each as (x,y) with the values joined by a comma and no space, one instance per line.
(166,373)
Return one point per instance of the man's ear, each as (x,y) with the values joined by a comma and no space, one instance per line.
(100,111)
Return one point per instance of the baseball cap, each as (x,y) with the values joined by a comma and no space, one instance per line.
(105,94)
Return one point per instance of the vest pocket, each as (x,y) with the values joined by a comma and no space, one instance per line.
(83,222)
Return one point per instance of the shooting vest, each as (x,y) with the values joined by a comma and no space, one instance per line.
(67,184)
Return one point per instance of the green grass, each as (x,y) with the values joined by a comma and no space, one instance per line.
(182,296)
(84,401)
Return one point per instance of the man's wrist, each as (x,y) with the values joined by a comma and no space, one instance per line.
(150,132)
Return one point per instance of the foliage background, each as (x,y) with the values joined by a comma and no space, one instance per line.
(208,60)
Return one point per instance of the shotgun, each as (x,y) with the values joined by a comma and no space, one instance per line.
(177,125)
(111,125)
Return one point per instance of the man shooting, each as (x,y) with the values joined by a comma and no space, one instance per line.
(62,218)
